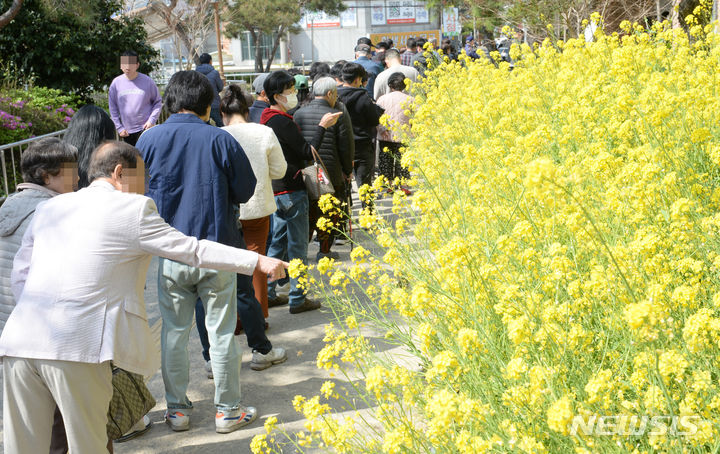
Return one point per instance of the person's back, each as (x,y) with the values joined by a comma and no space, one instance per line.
(265,155)
(394,65)
(307,119)
(198,173)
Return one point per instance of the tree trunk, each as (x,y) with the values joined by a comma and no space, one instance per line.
(675,14)
(10,14)
(255,35)
(271,57)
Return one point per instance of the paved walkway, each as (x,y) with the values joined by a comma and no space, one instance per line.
(271,390)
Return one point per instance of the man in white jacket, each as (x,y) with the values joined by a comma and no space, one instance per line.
(78,281)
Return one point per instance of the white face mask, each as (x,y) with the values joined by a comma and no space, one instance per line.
(290,101)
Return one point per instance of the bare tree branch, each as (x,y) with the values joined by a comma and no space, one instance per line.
(10,14)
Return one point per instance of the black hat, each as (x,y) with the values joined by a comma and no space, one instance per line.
(364,40)
(362,48)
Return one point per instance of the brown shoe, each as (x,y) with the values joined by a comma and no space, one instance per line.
(307,305)
(277,301)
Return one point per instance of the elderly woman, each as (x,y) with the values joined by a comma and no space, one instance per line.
(49,168)
(395,104)
(336,150)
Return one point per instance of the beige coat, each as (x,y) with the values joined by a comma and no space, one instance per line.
(79,275)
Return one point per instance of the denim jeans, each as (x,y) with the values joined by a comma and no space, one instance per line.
(290,237)
(179,286)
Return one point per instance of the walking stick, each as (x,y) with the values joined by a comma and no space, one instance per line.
(348,195)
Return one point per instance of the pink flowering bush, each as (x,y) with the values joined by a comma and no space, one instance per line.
(25,114)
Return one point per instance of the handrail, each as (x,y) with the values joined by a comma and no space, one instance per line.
(32,139)
(20,145)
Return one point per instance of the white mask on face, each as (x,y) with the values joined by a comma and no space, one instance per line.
(290,101)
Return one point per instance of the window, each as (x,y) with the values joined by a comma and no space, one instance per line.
(265,42)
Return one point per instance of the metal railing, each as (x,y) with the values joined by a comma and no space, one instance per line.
(15,150)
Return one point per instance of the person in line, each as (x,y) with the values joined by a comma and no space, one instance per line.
(267,161)
(409,53)
(470,47)
(49,168)
(372,68)
(133,99)
(394,64)
(336,151)
(90,126)
(261,102)
(84,257)
(198,174)
(394,103)
(380,49)
(205,67)
(365,116)
(290,221)
(336,71)
(448,49)
(317,69)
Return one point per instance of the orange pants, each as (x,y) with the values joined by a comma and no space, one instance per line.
(255,232)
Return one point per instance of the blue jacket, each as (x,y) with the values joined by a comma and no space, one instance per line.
(197,174)
(215,80)
(256,110)
(373,68)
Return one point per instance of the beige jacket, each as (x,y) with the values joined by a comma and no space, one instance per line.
(79,275)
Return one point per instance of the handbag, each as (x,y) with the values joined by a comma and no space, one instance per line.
(131,400)
(315,176)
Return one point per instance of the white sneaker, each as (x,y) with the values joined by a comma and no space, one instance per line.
(177,420)
(261,362)
(231,420)
(138,429)
(208,369)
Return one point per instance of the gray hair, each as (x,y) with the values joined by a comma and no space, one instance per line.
(323,86)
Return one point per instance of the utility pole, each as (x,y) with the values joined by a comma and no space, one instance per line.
(216,5)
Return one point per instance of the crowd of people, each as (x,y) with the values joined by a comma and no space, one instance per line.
(216,191)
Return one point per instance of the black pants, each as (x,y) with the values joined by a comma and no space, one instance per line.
(132,138)
(390,161)
(250,314)
(364,162)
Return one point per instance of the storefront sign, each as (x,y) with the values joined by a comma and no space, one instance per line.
(400,38)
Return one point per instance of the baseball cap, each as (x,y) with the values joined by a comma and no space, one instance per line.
(469,38)
(362,48)
(258,83)
(301,82)
(365,40)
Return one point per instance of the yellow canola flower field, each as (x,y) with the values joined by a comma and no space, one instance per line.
(562,292)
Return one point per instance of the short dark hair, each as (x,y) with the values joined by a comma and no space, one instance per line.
(396,81)
(420,42)
(108,155)
(276,83)
(189,90)
(204,58)
(318,67)
(45,157)
(234,101)
(392,54)
(382,45)
(411,43)
(390,42)
(351,71)
(336,70)
(89,126)
(130,53)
